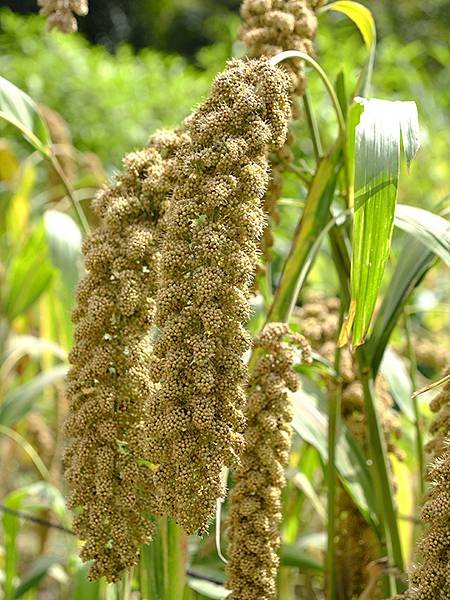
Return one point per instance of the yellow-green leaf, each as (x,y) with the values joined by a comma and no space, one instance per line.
(360,15)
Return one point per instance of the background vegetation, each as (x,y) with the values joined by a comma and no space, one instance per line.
(111,97)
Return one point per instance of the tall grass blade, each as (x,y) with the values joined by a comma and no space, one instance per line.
(414,262)
(28,276)
(312,426)
(377,164)
(314,218)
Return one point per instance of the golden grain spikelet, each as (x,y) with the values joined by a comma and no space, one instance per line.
(109,383)
(209,256)
(254,518)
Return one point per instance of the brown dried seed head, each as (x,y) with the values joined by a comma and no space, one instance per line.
(61,13)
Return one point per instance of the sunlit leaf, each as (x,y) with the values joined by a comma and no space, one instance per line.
(377,164)
(18,213)
(364,21)
(431,229)
(360,15)
(20,110)
(9,164)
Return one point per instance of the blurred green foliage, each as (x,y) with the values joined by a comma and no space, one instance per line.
(112,103)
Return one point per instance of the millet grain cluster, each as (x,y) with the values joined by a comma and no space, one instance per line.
(430,578)
(109,382)
(61,13)
(269,27)
(209,255)
(254,518)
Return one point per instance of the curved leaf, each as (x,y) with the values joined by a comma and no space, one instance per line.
(361,17)
(312,426)
(431,229)
(19,401)
(20,110)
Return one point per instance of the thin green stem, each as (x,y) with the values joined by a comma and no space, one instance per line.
(313,128)
(69,191)
(334,413)
(328,85)
(415,401)
(383,485)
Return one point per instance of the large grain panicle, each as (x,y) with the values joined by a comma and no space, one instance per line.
(272,26)
(109,382)
(209,256)
(269,27)
(254,518)
(430,577)
(61,13)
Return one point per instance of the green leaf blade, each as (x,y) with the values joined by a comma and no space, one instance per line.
(376,175)
(20,110)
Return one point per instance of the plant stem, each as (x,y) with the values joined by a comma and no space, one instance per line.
(69,191)
(328,85)
(413,375)
(334,413)
(383,486)
(313,128)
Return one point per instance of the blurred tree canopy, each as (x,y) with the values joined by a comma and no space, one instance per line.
(185,26)
(181,26)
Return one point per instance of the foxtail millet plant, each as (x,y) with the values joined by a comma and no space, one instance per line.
(254,518)
(61,13)
(109,384)
(209,256)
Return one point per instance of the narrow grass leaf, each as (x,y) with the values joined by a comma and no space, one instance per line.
(292,555)
(377,164)
(208,589)
(20,110)
(32,578)
(28,275)
(311,424)
(431,229)
(395,373)
(413,263)
(37,495)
